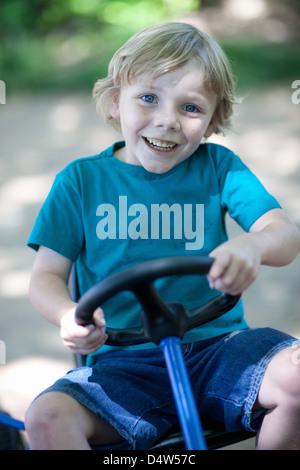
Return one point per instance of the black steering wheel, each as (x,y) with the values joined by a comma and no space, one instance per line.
(159,319)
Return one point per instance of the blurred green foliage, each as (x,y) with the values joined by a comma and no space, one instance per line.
(67,44)
(54,44)
(263,63)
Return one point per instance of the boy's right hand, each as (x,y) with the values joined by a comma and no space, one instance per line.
(83,339)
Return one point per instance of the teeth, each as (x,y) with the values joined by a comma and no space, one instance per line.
(161,143)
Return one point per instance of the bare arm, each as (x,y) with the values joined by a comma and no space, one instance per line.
(272,240)
(50,296)
(48,290)
(277,237)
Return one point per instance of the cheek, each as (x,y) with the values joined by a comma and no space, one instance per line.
(199,129)
(134,121)
(194,132)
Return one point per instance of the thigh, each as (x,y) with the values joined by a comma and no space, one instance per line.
(227,379)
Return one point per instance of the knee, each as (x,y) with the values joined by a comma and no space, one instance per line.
(287,367)
(40,413)
(43,416)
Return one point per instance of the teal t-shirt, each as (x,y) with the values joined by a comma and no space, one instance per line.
(108,215)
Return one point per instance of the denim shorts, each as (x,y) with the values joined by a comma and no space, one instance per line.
(131,389)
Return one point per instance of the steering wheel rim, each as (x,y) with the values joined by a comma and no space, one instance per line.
(159,319)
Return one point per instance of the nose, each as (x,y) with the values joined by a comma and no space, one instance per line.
(167,119)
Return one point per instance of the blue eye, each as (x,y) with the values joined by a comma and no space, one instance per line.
(148,98)
(190,108)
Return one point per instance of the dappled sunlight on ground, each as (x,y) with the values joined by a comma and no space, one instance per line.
(22,380)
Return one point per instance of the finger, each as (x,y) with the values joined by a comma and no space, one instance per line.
(99,319)
(241,283)
(219,266)
(235,281)
(97,338)
(87,345)
(84,331)
(231,276)
(92,346)
(77,333)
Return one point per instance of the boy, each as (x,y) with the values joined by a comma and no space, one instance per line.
(162,192)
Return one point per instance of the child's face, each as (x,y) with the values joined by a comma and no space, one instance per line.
(164,120)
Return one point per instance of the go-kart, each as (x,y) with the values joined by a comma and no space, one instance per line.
(163,324)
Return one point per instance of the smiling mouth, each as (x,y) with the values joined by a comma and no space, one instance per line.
(161,145)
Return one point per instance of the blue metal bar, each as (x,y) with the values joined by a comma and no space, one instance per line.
(183,395)
(9,421)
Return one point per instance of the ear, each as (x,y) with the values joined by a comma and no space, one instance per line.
(114,104)
(210,128)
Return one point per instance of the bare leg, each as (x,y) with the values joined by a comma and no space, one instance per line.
(280,394)
(55,421)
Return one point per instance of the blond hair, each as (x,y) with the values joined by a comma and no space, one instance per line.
(164,47)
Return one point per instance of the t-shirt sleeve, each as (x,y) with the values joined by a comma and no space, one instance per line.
(242,194)
(59,225)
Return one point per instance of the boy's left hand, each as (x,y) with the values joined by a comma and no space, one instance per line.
(236,265)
